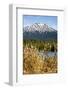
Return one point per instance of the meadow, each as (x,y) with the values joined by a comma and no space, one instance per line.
(33,62)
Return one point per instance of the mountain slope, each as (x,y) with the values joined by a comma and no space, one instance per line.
(38,27)
(39,32)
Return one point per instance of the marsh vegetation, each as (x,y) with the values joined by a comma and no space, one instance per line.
(40,56)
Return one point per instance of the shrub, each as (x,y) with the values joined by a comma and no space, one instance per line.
(33,63)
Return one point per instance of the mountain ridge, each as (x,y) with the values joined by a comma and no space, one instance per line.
(39,27)
(39,31)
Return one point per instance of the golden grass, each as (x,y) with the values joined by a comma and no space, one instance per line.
(35,64)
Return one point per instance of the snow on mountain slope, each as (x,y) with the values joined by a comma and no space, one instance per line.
(39,27)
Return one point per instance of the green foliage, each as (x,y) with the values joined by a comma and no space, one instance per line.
(42,45)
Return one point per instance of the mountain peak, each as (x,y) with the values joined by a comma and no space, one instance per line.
(39,27)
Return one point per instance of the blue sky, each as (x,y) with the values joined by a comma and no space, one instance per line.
(49,20)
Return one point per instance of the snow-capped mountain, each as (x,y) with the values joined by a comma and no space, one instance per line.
(39,27)
(39,31)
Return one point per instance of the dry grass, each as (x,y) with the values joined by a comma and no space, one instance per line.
(35,64)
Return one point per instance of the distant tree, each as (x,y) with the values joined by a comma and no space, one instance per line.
(52,48)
